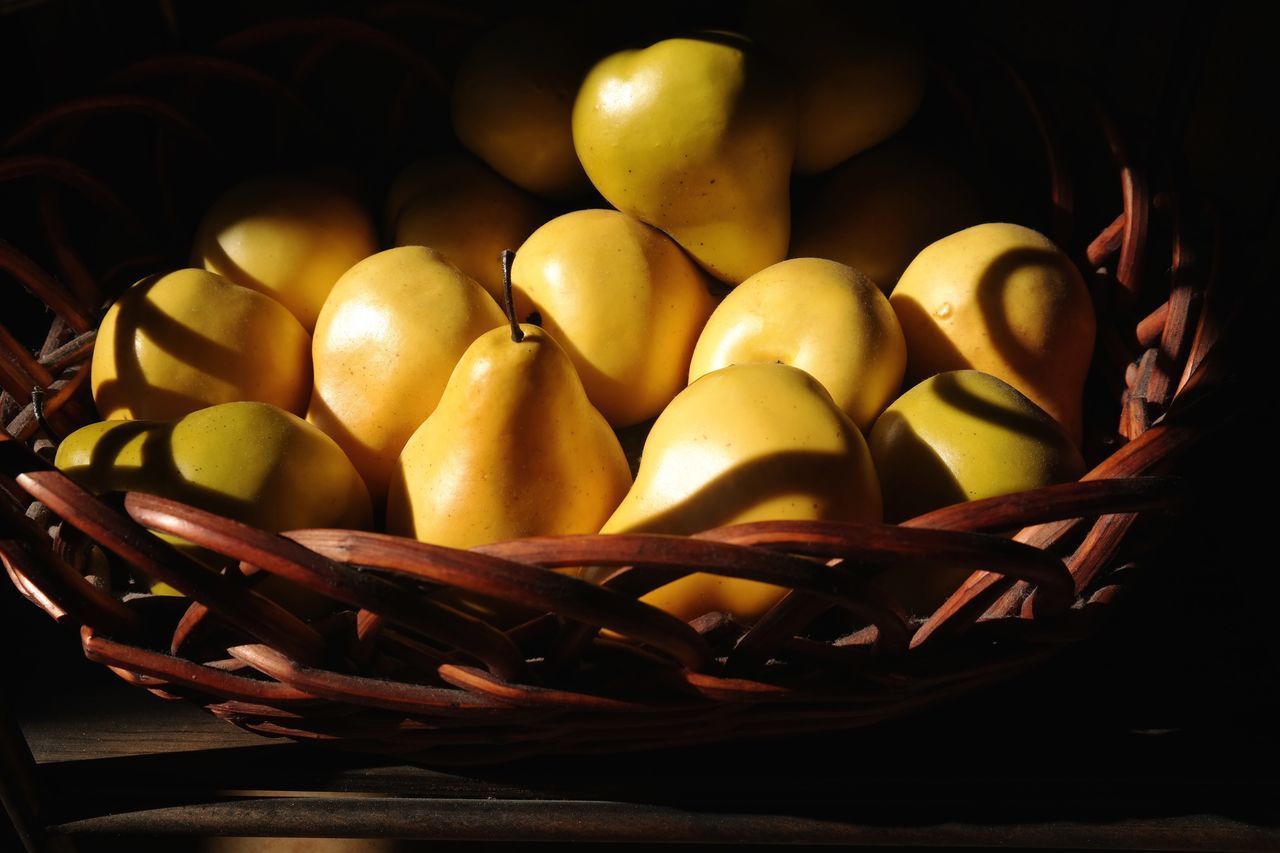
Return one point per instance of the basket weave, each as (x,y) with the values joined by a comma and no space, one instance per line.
(399,669)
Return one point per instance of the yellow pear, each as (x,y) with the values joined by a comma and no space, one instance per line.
(188,339)
(694,136)
(249,461)
(514,449)
(961,436)
(513,102)
(820,316)
(289,237)
(1005,300)
(252,462)
(463,210)
(876,212)
(624,302)
(857,81)
(752,442)
(386,342)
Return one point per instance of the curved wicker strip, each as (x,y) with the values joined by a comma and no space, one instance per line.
(194,65)
(339,30)
(1066,500)
(306,568)
(259,617)
(684,554)
(78,110)
(373,692)
(169,670)
(481,572)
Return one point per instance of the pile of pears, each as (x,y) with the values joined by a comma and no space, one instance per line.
(889,355)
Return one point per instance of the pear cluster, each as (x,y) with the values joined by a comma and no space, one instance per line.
(318,368)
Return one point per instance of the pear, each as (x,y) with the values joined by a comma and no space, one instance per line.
(463,210)
(623,300)
(1005,300)
(513,449)
(961,436)
(826,318)
(188,339)
(513,101)
(965,435)
(287,236)
(694,136)
(387,339)
(751,442)
(876,212)
(858,81)
(250,461)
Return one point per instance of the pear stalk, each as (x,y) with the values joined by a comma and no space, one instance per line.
(508,256)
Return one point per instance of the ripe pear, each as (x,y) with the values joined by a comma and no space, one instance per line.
(252,462)
(514,449)
(1005,300)
(876,212)
(694,136)
(289,237)
(463,210)
(624,302)
(513,103)
(858,82)
(961,436)
(820,316)
(386,342)
(751,442)
(188,339)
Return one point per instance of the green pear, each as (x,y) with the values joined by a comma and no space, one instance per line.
(960,436)
(249,461)
(965,435)
(694,136)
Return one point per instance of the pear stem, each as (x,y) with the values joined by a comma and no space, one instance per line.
(507,256)
(37,409)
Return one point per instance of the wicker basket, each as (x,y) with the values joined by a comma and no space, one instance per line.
(397,669)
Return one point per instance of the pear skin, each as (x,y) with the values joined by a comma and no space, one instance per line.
(252,462)
(285,236)
(1005,300)
(960,436)
(249,461)
(188,339)
(751,442)
(385,344)
(858,79)
(513,101)
(463,210)
(877,211)
(622,299)
(694,136)
(513,449)
(823,317)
